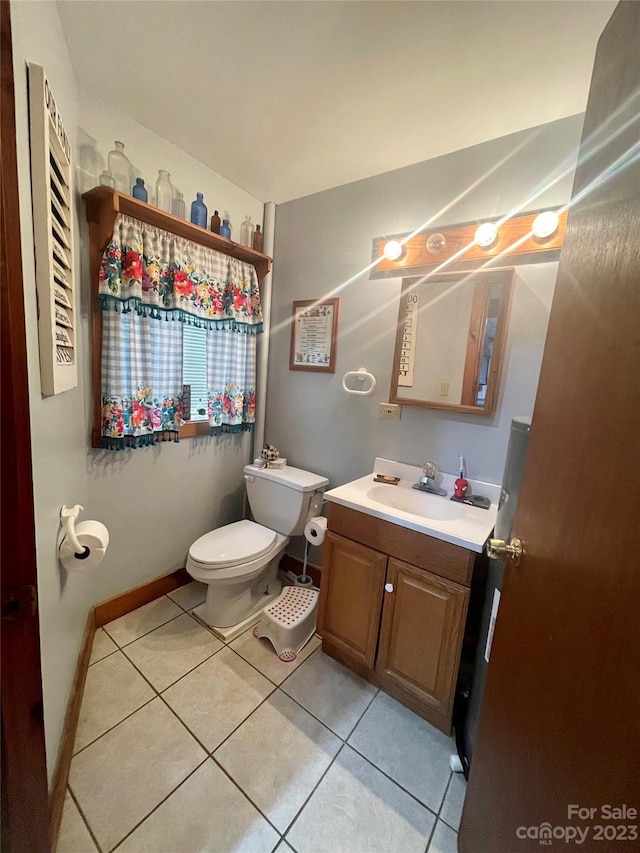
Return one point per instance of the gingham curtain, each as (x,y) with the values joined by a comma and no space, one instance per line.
(231,380)
(151,283)
(141,379)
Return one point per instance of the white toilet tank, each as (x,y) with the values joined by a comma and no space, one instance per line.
(283,499)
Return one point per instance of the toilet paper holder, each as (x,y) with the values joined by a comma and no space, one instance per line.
(68,516)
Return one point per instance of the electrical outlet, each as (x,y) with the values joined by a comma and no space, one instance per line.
(390,411)
(444,389)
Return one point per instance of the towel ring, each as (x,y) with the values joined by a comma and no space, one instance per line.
(361,375)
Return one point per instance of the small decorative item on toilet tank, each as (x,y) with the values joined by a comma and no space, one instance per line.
(269,453)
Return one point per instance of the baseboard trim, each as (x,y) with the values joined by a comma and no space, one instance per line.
(130,600)
(65,750)
(289,563)
(98,616)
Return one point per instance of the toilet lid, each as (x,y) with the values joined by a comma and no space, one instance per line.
(233,544)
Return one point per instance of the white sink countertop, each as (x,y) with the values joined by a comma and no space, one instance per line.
(434,515)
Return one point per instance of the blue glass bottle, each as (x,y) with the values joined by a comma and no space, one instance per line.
(225,230)
(199,213)
(139,190)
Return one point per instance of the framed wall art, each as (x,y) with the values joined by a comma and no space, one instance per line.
(314,329)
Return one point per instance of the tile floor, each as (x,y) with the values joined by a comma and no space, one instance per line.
(185,744)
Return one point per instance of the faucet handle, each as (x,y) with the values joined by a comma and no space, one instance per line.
(430,470)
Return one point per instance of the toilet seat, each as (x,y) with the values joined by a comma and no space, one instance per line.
(234,553)
(232,545)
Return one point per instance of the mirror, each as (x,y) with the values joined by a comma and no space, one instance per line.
(450,341)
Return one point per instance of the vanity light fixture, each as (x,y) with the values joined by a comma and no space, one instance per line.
(486,235)
(545,224)
(436,243)
(393,250)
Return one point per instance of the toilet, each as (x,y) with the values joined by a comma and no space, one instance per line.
(239,562)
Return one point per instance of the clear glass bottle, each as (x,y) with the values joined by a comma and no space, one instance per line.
(164,191)
(179,207)
(199,213)
(120,168)
(106,180)
(258,240)
(139,190)
(246,232)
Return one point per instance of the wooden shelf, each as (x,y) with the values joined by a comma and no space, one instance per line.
(103,204)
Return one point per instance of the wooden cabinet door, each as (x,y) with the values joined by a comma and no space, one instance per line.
(351,598)
(421,634)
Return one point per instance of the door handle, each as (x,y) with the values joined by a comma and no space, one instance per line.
(498,549)
(388,587)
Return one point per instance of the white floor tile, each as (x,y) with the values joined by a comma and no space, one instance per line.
(190,595)
(102,646)
(356,809)
(121,777)
(262,655)
(132,625)
(277,756)
(452,807)
(206,813)
(74,836)
(217,696)
(406,748)
(331,692)
(113,690)
(444,839)
(166,654)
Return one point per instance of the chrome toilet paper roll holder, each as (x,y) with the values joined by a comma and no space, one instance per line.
(68,517)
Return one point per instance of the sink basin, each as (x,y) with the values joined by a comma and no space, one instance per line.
(433,515)
(416,502)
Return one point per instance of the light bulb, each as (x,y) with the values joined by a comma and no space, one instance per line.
(436,243)
(392,250)
(486,235)
(545,224)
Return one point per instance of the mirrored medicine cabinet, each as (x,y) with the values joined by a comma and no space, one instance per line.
(450,341)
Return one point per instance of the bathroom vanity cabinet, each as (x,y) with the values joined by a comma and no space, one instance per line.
(393,605)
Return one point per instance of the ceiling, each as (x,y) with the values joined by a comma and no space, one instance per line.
(289,98)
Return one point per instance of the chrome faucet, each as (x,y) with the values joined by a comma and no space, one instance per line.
(427,483)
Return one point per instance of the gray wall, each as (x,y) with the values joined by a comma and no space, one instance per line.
(324,240)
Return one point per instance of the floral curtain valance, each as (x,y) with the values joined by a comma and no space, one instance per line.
(149,276)
(158,274)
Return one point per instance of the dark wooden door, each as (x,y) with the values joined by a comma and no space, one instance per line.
(421,633)
(351,598)
(560,721)
(24,776)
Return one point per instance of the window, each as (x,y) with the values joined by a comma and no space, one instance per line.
(194,370)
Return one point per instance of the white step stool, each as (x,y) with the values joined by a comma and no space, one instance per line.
(289,621)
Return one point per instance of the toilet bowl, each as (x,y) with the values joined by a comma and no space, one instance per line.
(239,562)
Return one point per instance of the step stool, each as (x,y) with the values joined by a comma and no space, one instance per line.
(289,621)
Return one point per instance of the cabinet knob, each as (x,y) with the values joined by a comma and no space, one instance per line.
(388,587)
